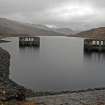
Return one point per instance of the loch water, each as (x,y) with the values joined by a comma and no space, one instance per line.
(60,63)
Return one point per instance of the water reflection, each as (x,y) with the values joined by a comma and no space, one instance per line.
(94,56)
(30,49)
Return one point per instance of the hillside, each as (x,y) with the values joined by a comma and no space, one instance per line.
(13,28)
(93,33)
(66,31)
(62,30)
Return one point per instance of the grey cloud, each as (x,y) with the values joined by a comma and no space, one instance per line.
(38,11)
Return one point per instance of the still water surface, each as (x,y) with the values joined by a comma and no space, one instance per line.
(59,64)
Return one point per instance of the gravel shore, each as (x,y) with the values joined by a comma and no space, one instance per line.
(96,97)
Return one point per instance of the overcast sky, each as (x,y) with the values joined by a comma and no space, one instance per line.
(76,14)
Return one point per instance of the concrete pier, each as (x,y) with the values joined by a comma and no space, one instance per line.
(29,41)
(94,45)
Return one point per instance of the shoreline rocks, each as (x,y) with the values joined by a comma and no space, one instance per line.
(96,97)
(8,88)
(4,65)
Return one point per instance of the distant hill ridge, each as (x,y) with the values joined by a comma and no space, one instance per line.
(14,28)
(62,30)
(93,33)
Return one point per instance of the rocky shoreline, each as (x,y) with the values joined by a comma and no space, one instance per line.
(51,93)
(87,97)
(7,86)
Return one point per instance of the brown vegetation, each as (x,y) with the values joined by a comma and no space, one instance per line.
(93,33)
(18,103)
(26,103)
